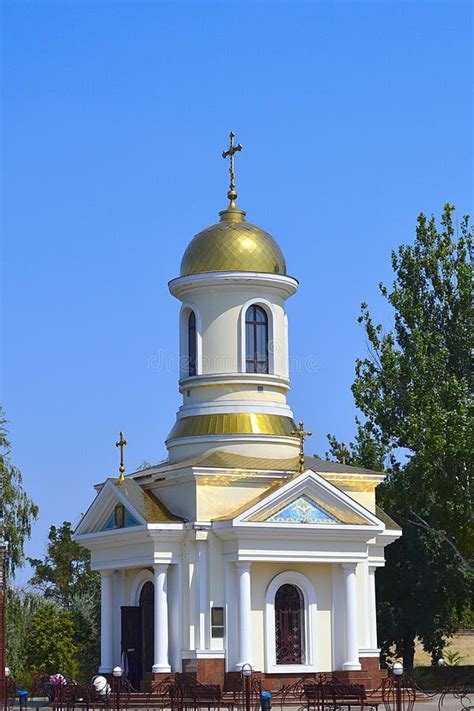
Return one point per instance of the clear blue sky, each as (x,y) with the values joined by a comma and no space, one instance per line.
(355,117)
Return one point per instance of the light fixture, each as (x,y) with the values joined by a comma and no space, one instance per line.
(397,668)
(7,671)
(441,662)
(246,669)
(117,671)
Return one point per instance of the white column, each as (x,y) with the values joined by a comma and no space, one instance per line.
(161,618)
(118,602)
(351,661)
(203,595)
(106,621)
(229,618)
(371,607)
(244,607)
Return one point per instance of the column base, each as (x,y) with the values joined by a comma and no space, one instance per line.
(352,666)
(161,668)
(206,670)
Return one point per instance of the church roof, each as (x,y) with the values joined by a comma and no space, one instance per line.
(387,520)
(229,460)
(333,507)
(145,502)
(233,245)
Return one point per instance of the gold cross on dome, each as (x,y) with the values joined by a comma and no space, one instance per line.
(229,153)
(301,433)
(342,453)
(121,443)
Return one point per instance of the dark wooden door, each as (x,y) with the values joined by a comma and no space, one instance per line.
(132,643)
(147,605)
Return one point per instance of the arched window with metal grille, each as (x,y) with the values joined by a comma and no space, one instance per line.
(289,625)
(256,340)
(192,344)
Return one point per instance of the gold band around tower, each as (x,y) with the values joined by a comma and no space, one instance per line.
(238,423)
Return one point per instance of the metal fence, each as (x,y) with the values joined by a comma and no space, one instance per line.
(182,692)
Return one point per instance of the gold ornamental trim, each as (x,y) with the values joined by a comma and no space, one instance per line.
(255,423)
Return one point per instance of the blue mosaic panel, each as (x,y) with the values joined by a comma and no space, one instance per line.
(129,521)
(302,510)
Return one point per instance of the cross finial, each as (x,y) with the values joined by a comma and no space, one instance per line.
(301,433)
(342,453)
(229,153)
(121,443)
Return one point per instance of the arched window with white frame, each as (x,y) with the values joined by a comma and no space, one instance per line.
(256,340)
(289,625)
(192,344)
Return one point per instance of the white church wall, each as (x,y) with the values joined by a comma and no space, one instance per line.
(320,576)
(216,582)
(366,498)
(242,391)
(175,614)
(362,621)
(215,501)
(123,555)
(298,550)
(178,496)
(221,332)
(338,614)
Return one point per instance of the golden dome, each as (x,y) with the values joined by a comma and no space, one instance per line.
(233,245)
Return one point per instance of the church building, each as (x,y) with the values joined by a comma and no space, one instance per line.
(238,549)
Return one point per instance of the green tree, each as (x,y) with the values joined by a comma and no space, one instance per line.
(21,605)
(365,451)
(415,391)
(65,577)
(416,387)
(49,643)
(19,511)
(65,571)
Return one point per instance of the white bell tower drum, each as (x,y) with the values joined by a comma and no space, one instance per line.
(234,371)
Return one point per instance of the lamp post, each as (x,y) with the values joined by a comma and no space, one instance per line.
(7,676)
(246,672)
(397,671)
(117,674)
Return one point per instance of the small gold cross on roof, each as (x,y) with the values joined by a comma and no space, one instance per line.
(301,433)
(229,153)
(121,443)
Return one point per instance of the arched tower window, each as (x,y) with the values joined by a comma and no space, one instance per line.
(289,625)
(192,344)
(256,340)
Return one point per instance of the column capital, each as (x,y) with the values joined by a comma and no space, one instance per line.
(351,567)
(160,567)
(106,573)
(372,568)
(243,564)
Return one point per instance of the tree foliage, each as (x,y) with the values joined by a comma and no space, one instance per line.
(415,391)
(19,511)
(21,605)
(365,451)
(65,577)
(65,571)
(49,643)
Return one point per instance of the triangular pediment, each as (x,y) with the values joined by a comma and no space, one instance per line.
(306,499)
(123,505)
(110,507)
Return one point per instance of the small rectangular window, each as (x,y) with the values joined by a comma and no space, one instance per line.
(217,622)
